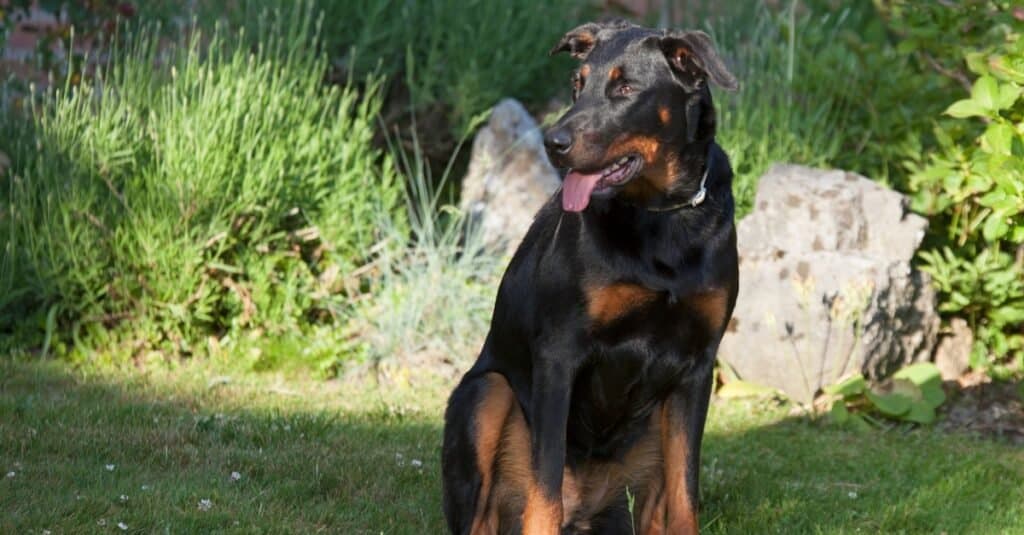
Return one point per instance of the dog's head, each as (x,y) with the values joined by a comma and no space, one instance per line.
(640,99)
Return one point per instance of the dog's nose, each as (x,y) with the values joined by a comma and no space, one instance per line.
(558,140)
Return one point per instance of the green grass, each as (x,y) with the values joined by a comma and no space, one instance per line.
(338,457)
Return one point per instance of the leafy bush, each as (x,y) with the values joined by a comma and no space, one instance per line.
(190,192)
(973,187)
(911,395)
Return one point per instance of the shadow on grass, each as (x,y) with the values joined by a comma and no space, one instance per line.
(149,451)
(304,463)
(791,475)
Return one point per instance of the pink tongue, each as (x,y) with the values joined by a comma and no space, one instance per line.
(576,189)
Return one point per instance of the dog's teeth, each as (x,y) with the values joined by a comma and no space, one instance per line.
(623,160)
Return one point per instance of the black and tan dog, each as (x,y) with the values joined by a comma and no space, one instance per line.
(593,383)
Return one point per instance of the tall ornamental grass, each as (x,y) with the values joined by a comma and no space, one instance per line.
(190,192)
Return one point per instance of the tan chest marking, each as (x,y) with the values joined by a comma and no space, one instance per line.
(608,303)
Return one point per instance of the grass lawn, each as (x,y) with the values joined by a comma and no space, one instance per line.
(194,450)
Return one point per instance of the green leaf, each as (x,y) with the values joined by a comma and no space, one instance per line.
(985,92)
(933,395)
(995,227)
(1018,234)
(998,139)
(920,412)
(850,386)
(1008,94)
(743,389)
(839,413)
(859,424)
(890,404)
(976,182)
(965,108)
(920,373)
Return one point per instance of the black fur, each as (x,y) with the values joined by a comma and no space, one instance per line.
(587,389)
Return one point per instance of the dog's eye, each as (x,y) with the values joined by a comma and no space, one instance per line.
(624,90)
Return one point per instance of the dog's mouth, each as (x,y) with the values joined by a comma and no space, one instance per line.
(579,186)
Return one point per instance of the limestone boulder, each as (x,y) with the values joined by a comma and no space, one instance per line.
(826,283)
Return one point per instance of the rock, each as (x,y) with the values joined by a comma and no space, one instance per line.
(826,285)
(509,176)
(953,356)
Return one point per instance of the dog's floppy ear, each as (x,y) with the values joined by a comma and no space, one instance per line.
(693,58)
(579,41)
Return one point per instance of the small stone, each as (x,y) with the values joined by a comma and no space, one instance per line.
(953,355)
(509,177)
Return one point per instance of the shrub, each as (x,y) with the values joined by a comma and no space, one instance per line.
(911,395)
(190,192)
(973,187)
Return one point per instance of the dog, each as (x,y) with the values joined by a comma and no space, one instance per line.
(585,410)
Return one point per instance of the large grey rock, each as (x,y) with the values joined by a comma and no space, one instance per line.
(826,285)
(509,176)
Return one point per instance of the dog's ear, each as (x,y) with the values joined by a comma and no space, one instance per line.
(579,41)
(693,58)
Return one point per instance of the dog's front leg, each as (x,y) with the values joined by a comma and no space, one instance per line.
(682,428)
(549,413)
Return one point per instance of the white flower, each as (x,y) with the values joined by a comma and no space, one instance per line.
(101,522)
(235,476)
(11,474)
(416,463)
(110,467)
(123,526)
(851,494)
(124,498)
(205,504)
(46,532)
(144,487)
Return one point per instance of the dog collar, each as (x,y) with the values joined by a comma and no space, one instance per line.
(694,201)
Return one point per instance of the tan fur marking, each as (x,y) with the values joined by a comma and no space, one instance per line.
(585,71)
(647,147)
(542,515)
(652,518)
(712,307)
(680,516)
(615,74)
(608,303)
(660,170)
(512,473)
(664,115)
(490,419)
